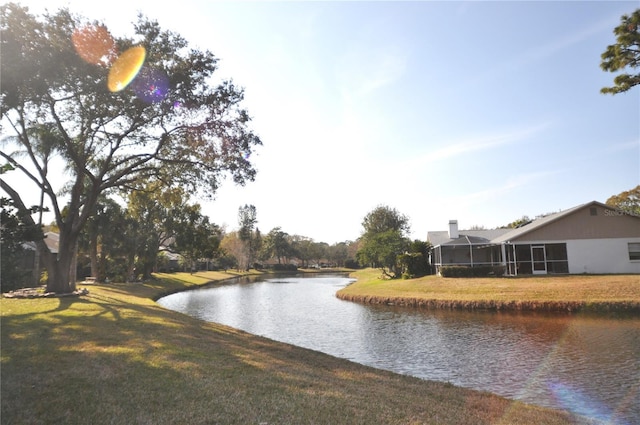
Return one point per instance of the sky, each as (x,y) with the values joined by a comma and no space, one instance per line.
(476,111)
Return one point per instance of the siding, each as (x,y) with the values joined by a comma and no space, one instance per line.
(601,256)
(581,224)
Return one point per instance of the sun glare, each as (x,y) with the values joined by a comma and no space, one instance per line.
(125,68)
(94,45)
(151,85)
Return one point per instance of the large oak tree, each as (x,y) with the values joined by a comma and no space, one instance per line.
(173,124)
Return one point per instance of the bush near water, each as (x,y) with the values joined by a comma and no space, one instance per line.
(466,271)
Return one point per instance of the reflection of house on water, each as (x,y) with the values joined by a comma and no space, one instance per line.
(589,238)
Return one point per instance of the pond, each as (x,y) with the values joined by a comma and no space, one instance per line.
(589,365)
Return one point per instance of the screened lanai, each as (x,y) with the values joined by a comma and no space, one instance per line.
(470,251)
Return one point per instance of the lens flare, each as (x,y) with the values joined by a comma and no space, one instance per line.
(151,85)
(577,402)
(125,68)
(94,44)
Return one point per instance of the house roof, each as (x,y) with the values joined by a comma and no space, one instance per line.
(53,241)
(543,221)
(497,236)
(171,256)
(467,237)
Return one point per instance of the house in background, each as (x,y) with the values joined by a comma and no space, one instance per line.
(589,238)
(28,261)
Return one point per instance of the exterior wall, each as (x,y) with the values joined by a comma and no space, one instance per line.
(601,256)
(581,224)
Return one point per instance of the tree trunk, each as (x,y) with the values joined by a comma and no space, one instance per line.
(102,267)
(36,268)
(73,270)
(58,275)
(59,267)
(131,269)
(93,256)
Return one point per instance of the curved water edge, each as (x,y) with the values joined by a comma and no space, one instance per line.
(587,365)
(245,278)
(496,305)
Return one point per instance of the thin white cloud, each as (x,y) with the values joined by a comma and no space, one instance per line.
(635,144)
(389,67)
(454,148)
(545,51)
(473,207)
(511,184)
(565,42)
(364,69)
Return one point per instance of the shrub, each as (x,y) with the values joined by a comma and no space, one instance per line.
(499,271)
(413,264)
(455,271)
(352,264)
(285,267)
(466,271)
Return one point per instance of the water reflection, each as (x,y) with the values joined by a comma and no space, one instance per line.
(586,364)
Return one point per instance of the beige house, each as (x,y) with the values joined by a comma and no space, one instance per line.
(590,238)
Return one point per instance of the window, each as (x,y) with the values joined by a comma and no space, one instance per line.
(634,251)
(556,251)
(557,261)
(593,211)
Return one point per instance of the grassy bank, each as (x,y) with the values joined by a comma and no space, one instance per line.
(114,356)
(546,293)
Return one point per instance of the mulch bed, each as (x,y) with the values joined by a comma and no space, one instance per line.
(40,293)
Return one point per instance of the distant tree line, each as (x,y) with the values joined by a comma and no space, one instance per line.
(247,248)
(155,230)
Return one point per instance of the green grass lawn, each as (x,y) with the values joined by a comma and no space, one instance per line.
(594,291)
(116,357)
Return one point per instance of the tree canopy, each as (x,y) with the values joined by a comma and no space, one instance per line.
(276,244)
(628,201)
(119,112)
(384,218)
(384,239)
(624,53)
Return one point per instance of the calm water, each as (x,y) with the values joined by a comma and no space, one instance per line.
(585,364)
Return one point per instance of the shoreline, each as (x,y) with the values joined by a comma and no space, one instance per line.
(561,294)
(495,305)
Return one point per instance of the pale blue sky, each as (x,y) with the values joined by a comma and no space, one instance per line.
(475,111)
